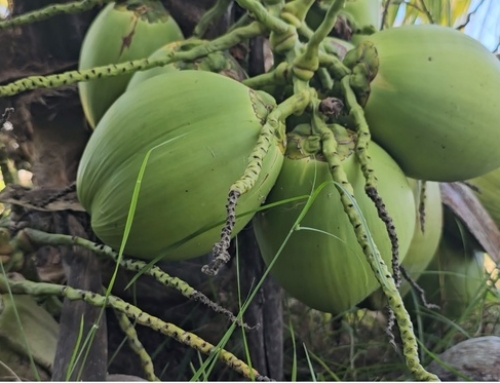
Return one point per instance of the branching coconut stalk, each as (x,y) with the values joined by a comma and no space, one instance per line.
(391,321)
(420,291)
(64,192)
(136,346)
(50,11)
(377,264)
(335,66)
(131,311)
(306,64)
(210,16)
(53,81)
(29,237)
(277,76)
(421,205)
(270,22)
(364,137)
(273,126)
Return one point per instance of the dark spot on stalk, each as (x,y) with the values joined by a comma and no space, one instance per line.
(429,58)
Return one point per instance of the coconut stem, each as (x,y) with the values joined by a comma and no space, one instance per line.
(419,290)
(270,22)
(272,128)
(29,238)
(364,138)
(276,76)
(421,205)
(50,11)
(380,269)
(224,42)
(391,320)
(61,194)
(210,16)
(307,63)
(335,66)
(136,346)
(133,312)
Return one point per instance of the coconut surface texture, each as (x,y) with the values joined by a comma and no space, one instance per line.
(201,128)
(434,102)
(120,33)
(322,264)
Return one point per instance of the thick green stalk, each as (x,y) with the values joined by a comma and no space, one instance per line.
(260,13)
(50,11)
(364,138)
(274,122)
(28,237)
(273,127)
(136,346)
(276,76)
(377,264)
(210,16)
(421,205)
(297,9)
(336,67)
(71,77)
(325,78)
(133,312)
(306,64)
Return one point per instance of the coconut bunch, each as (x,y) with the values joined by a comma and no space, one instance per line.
(396,105)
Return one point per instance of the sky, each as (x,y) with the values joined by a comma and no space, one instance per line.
(485,23)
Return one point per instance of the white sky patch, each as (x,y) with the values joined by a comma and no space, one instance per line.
(484,25)
(3,11)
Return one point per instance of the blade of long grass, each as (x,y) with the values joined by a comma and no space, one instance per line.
(311,368)
(294,352)
(320,361)
(305,209)
(128,226)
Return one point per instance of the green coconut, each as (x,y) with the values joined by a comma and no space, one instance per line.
(322,264)
(423,244)
(122,31)
(456,274)
(201,128)
(218,62)
(433,105)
